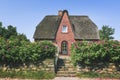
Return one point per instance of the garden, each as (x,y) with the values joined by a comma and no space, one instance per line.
(20,58)
(18,54)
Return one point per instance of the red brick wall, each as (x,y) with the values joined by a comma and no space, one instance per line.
(69,36)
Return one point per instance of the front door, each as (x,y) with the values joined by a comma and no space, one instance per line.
(64,47)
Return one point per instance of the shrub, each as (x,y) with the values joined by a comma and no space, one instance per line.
(91,53)
(14,51)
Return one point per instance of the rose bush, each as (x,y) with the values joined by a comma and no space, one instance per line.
(14,51)
(90,53)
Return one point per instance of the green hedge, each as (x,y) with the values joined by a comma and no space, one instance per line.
(14,51)
(90,53)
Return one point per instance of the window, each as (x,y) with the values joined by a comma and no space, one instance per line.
(64,29)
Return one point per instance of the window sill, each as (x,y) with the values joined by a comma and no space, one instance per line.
(64,32)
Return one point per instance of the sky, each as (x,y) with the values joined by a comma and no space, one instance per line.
(25,15)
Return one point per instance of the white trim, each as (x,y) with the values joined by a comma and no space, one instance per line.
(66,29)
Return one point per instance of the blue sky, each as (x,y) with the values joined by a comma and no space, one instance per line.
(26,14)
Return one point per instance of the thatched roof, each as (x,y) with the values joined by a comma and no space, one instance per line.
(82,26)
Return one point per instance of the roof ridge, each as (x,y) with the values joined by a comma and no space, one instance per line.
(69,16)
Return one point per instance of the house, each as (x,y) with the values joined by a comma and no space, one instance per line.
(64,29)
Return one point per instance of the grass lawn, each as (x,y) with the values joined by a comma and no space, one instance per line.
(97,75)
(27,74)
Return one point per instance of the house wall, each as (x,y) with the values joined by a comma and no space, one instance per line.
(69,36)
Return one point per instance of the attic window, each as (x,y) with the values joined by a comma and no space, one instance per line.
(64,29)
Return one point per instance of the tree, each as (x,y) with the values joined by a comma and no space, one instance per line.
(2,30)
(0,24)
(106,32)
(22,37)
(11,32)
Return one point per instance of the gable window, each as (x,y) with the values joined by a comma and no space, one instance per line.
(64,29)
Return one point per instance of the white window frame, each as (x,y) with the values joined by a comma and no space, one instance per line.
(66,29)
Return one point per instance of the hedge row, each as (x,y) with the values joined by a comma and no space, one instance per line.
(90,53)
(14,51)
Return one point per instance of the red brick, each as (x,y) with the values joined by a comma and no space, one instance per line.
(69,36)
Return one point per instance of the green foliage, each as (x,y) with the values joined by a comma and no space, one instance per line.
(22,37)
(0,24)
(11,31)
(16,49)
(106,33)
(6,33)
(16,52)
(92,53)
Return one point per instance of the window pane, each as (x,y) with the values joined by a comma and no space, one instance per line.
(64,29)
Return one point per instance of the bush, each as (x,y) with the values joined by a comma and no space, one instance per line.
(92,53)
(16,52)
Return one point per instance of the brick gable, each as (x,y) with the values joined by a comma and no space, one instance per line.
(69,36)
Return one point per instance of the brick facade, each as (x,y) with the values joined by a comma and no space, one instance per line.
(64,29)
(68,36)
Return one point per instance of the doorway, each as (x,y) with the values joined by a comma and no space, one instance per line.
(64,47)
